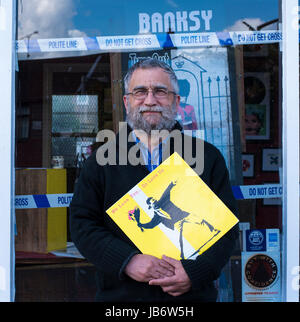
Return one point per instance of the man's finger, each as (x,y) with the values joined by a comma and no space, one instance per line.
(155,275)
(162,272)
(167,266)
(169,273)
(165,281)
(174,293)
(170,260)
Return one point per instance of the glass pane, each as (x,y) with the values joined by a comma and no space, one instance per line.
(74,113)
(72,61)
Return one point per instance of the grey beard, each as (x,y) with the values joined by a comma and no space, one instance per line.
(136,120)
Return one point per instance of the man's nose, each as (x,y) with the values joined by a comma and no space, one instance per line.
(150,99)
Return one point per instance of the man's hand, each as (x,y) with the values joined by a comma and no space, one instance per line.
(177,284)
(144,268)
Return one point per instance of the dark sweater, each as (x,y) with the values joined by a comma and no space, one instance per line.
(103,243)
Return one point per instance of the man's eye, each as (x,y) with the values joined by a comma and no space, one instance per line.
(160,92)
(140,92)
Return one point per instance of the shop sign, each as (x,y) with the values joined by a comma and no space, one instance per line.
(175,22)
(156,16)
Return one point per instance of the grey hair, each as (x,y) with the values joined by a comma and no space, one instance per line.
(147,63)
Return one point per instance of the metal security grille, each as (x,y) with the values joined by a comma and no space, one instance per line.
(74,114)
(74,126)
(218,118)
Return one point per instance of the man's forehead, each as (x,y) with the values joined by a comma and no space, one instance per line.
(157,76)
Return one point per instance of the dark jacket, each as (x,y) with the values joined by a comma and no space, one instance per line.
(102,242)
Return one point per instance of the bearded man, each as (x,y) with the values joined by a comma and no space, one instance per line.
(123,273)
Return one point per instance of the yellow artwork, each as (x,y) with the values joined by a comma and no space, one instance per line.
(172,212)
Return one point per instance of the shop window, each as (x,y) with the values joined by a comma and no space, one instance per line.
(230,96)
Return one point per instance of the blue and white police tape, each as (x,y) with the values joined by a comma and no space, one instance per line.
(43,201)
(151,41)
(64,199)
(257,191)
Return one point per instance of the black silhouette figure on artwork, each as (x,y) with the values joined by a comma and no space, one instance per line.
(174,215)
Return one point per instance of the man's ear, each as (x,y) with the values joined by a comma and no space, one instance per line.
(125,100)
(177,101)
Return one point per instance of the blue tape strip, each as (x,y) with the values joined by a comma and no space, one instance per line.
(41,201)
(64,199)
(34,46)
(224,38)
(91,43)
(237,192)
(165,40)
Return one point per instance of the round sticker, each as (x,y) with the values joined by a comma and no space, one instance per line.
(256,238)
(260,271)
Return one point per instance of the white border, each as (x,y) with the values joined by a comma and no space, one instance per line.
(7,85)
(290,114)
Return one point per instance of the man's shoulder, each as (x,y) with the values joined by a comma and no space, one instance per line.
(209,148)
(91,161)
